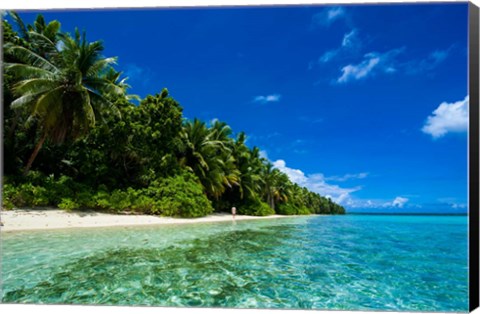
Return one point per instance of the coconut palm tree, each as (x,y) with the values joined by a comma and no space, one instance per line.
(227,168)
(250,166)
(64,88)
(277,186)
(207,153)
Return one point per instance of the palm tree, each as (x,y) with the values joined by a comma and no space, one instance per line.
(40,38)
(226,167)
(207,153)
(64,89)
(250,166)
(277,187)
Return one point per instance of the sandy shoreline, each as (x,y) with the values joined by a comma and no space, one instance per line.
(46,219)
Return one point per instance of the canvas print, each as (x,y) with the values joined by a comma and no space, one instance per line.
(272,157)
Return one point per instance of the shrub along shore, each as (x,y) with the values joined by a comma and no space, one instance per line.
(75,139)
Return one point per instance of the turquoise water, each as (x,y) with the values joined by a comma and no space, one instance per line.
(412,263)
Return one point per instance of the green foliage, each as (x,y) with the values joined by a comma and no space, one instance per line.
(63,90)
(8,191)
(37,190)
(26,194)
(181,196)
(119,200)
(291,209)
(68,110)
(287,209)
(178,196)
(256,208)
(68,204)
(207,152)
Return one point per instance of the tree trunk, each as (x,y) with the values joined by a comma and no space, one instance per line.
(13,126)
(34,153)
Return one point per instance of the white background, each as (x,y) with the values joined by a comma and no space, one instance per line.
(51,4)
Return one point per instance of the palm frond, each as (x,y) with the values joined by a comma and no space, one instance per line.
(25,71)
(96,68)
(21,26)
(29,57)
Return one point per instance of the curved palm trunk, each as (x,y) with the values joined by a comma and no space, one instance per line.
(35,153)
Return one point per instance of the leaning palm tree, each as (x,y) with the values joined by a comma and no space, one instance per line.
(41,38)
(64,90)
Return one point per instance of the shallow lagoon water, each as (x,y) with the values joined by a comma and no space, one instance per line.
(351,262)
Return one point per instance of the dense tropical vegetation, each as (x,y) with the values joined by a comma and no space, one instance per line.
(74,139)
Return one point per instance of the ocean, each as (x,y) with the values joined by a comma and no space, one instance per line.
(349,262)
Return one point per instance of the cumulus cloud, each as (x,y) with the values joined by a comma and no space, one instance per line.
(399,201)
(327,16)
(448,117)
(295,175)
(316,183)
(267,98)
(372,63)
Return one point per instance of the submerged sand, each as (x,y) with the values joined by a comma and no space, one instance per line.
(44,219)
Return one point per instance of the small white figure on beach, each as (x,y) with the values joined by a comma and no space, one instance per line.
(234,212)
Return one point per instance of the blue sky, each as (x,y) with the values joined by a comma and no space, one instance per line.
(365,104)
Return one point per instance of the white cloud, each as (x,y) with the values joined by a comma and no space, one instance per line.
(372,63)
(316,183)
(448,117)
(350,43)
(328,16)
(399,201)
(335,13)
(359,71)
(295,175)
(457,206)
(348,176)
(350,39)
(267,98)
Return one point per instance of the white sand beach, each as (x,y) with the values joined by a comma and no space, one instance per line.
(44,219)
